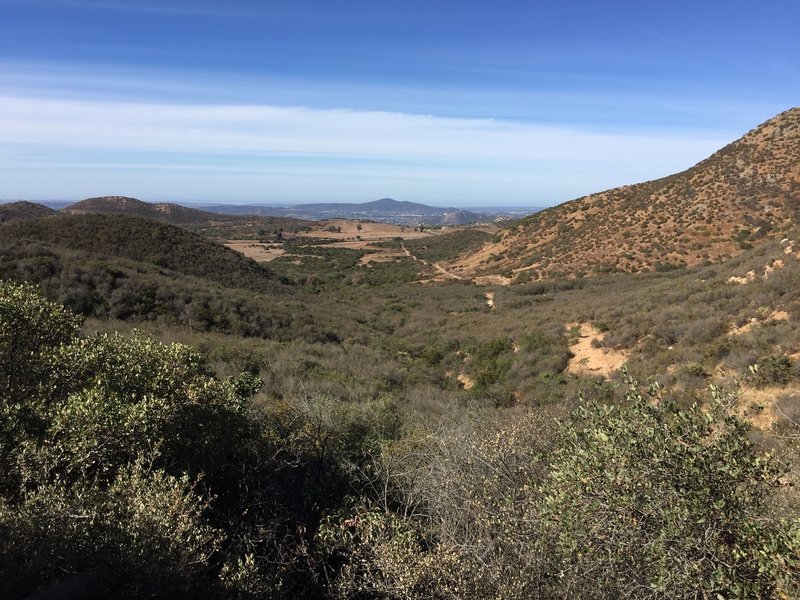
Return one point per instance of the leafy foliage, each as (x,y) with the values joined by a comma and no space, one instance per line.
(643,500)
(128,465)
(650,499)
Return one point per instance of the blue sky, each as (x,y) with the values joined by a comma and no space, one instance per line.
(449,103)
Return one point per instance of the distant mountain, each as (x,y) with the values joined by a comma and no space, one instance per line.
(746,192)
(23,210)
(384,210)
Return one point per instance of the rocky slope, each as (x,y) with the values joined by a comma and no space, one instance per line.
(746,192)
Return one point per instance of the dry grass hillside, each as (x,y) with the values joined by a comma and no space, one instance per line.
(746,192)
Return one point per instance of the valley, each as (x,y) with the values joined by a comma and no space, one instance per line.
(378,241)
(599,394)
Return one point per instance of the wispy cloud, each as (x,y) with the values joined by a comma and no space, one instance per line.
(243,129)
(271,143)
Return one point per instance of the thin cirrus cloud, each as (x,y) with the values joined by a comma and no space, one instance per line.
(275,142)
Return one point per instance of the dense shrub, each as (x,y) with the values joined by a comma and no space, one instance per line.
(642,500)
(775,369)
(649,499)
(128,465)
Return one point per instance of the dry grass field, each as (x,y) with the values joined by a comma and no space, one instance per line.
(367,236)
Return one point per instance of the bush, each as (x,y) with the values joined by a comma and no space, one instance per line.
(641,500)
(775,369)
(650,499)
(109,445)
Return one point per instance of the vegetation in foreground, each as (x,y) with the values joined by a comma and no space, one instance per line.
(129,466)
(330,429)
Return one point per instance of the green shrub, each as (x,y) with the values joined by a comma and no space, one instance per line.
(111,456)
(641,500)
(694,369)
(775,369)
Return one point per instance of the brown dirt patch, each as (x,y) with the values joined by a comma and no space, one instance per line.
(492,280)
(256,250)
(466,381)
(761,408)
(775,315)
(749,277)
(776,264)
(590,360)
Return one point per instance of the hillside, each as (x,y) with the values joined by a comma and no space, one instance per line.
(463,407)
(211,224)
(169,213)
(23,210)
(743,194)
(143,240)
(282,430)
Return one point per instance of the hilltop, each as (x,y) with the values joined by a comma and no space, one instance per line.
(169,213)
(142,240)
(23,210)
(743,194)
(211,224)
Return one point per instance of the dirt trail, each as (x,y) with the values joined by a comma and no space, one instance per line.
(447,274)
(587,358)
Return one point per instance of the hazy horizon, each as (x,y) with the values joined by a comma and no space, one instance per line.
(207,203)
(452,104)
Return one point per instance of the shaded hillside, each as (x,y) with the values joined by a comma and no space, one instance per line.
(210,224)
(742,194)
(169,213)
(23,210)
(142,240)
